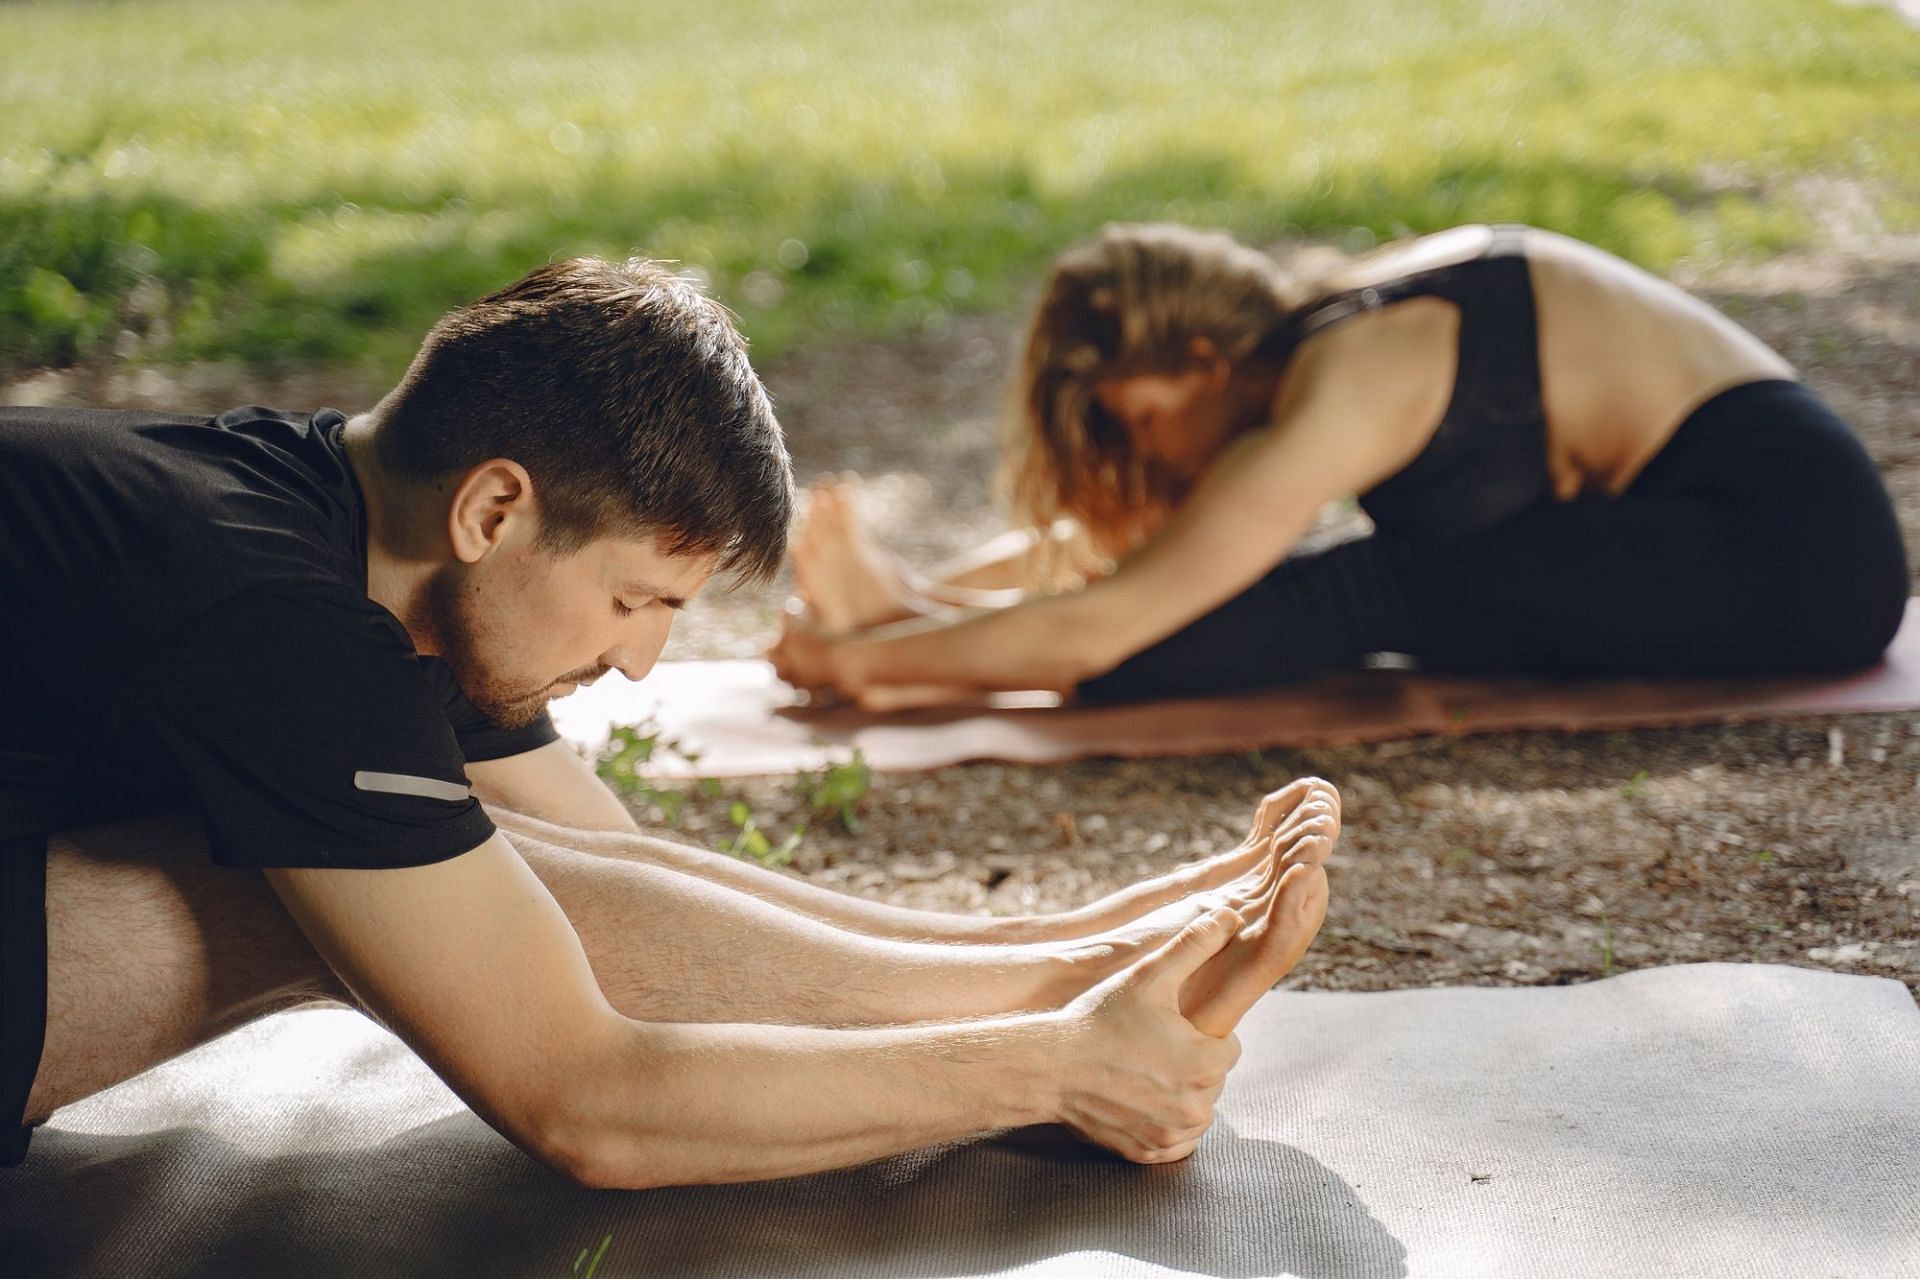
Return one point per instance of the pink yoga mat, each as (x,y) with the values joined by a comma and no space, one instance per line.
(740,721)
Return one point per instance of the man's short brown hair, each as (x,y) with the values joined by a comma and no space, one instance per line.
(626,394)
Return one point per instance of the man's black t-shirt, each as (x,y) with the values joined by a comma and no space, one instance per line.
(184,623)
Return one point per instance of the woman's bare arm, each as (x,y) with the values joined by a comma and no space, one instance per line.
(1332,437)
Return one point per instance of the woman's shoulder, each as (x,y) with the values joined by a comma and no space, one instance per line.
(1408,257)
(1380,382)
(1399,355)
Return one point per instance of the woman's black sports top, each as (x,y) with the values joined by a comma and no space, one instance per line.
(1488,457)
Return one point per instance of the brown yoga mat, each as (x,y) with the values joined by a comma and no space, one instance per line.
(736,720)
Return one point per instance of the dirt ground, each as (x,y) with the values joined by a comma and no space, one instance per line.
(1521,859)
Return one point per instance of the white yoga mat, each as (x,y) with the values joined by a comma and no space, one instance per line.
(1700,1120)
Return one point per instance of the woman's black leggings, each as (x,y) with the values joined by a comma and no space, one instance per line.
(1760,539)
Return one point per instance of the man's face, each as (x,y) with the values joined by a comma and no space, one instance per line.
(524,625)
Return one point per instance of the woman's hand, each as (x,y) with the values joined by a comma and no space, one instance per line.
(812,659)
(804,656)
(881,698)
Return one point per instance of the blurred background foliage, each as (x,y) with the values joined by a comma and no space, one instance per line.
(284,182)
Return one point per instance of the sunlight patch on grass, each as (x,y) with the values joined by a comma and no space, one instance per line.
(287,182)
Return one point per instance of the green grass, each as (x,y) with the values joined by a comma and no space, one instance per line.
(295,182)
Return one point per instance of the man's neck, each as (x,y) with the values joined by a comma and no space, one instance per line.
(399,565)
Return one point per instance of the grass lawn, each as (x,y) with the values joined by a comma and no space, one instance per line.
(284,183)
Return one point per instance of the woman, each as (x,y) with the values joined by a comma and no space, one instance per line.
(1571,466)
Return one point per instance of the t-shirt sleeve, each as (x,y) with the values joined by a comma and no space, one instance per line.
(479,737)
(302,722)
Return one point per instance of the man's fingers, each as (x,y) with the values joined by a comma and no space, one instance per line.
(1169,967)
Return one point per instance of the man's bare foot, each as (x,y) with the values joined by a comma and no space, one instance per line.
(846,580)
(1304,839)
(1278,925)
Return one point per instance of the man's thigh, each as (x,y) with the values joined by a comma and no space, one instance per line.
(153,949)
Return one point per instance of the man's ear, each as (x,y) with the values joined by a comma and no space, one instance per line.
(492,501)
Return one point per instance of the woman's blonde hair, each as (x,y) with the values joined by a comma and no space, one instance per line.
(1131,302)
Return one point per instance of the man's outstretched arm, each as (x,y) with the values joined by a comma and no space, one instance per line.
(473,964)
(553,783)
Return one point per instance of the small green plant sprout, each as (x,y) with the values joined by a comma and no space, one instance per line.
(1636,786)
(628,746)
(836,792)
(750,841)
(1606,946)
(1765,857)
(1460,857)
(621,764)
(594,1264)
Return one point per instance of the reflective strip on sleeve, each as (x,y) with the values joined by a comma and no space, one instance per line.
(406,784)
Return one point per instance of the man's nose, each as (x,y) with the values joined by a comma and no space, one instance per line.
(636,652)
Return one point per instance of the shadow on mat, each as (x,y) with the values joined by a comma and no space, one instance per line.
(450,1197)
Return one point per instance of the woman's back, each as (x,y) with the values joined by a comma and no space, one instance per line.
(1623,355)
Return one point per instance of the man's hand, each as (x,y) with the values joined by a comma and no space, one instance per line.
(472,962)
(1142,1081)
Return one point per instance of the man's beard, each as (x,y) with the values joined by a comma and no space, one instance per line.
(456,622)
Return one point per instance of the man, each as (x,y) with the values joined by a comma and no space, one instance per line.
(259,673)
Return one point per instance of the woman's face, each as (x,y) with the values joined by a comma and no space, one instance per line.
(1179,420)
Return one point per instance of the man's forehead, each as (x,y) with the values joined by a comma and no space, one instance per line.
(641,562)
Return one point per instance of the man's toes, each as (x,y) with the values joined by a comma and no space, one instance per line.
(1324,792)
(1307,904)
(1308,819)
(1306,839)
(1279,805)
(1322,800)
(1298,911)
(1309,843)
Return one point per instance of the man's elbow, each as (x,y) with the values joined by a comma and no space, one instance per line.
(576,1122)
(594,1161)
(593,1153)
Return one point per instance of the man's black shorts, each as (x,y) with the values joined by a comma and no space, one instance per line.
(23,984)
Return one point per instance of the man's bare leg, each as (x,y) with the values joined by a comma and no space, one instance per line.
(1306,798)
(736,957)
(153,950)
